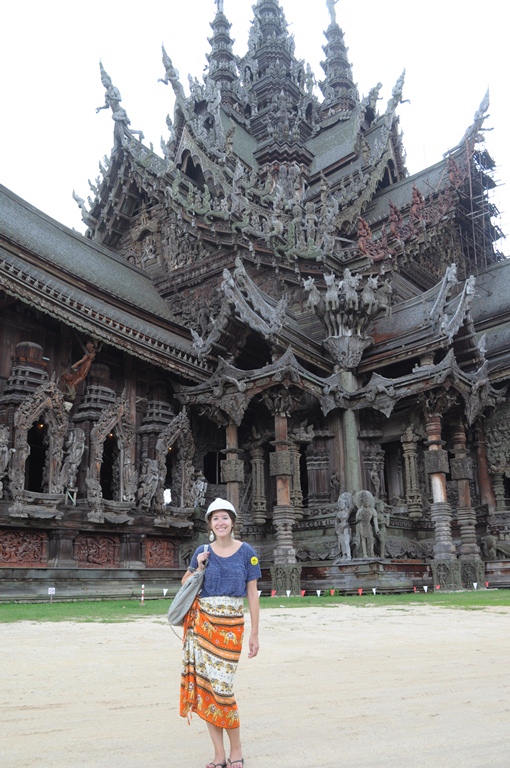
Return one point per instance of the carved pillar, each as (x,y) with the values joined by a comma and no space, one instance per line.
(498,483)
(472,569)
(409,442)
(445,565)
(259,503)
(350,428)
(317,463)
(232,470)
(280,467)
(486,490)
(296,494)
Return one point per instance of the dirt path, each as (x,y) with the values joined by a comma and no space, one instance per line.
(331,687)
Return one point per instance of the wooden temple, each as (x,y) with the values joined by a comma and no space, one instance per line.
(270,310)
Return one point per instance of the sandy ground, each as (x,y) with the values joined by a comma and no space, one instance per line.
(332,686)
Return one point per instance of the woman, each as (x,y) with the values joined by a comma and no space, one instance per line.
(213,631)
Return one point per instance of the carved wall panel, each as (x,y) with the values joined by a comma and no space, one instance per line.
(161,554)
(96,551)
(21,549)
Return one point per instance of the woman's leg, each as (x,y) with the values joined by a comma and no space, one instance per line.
(216,735)
(236,752)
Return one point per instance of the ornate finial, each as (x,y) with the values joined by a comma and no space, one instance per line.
(219,5)
(331,8)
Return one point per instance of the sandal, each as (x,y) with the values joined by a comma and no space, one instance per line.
(239,760)
(216,765)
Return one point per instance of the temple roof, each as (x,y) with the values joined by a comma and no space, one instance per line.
(87,286)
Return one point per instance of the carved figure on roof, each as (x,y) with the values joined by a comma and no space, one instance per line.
(472,134)
(373,97)
(364,235)
(331,9)
(171,75)
(396,94)
(310,80)
(332,300)
(348,288)
(384,294)
(368,295)
(85,213)
(314,297)
(219,5)
(119,115)
(79,370)
(417,204)
(395,220)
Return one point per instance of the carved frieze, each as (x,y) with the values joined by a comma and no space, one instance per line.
(96,551)
(497,430)
(20,549)
(161,553)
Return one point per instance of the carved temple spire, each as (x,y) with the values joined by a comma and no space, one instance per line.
(281,107)
(222,61)
(340,92)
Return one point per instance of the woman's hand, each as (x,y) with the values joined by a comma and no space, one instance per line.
(253,645)
(202,560)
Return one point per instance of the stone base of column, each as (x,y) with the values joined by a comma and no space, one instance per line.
(446,573)
(283,521)
(286,577)
(472,571)
(284,555)
(441,514)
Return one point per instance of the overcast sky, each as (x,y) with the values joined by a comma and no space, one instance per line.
(52,139)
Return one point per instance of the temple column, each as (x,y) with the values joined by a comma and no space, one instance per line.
(232,469)
(317,463)
(486,490)
(445,565)
(285,572)
(296,496)
(409,442)
(472,569)
(259,503)
(350,429)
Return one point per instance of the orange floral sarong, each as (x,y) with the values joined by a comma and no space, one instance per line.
(213,638)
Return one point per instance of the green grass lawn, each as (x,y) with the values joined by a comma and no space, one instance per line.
(130,610)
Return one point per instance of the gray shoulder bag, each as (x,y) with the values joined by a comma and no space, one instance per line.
(185,596)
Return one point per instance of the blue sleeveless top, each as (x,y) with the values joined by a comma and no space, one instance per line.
(228,576)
